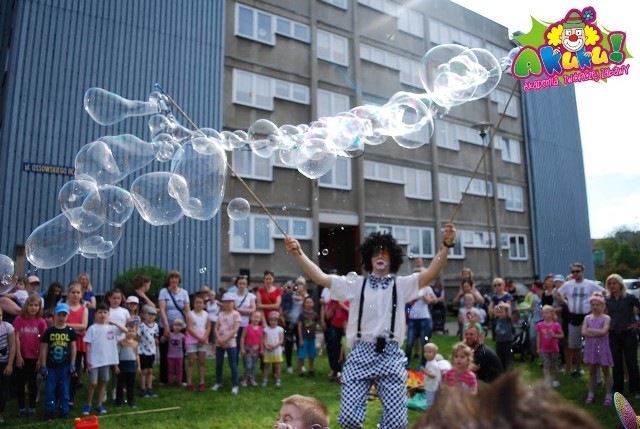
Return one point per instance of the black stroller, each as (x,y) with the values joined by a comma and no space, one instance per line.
(521,344)
(439,318)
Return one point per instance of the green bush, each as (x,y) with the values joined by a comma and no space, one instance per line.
(158,279)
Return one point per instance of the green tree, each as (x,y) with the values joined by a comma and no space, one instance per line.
(622,254)
(158,279)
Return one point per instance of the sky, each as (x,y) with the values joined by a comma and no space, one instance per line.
(608,113)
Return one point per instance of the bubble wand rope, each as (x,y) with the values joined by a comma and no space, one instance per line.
(484,153)
(195,127)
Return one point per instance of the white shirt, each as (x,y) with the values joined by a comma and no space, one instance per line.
(432,384)
(376,315)
(577,294)
(104,344)
(420,309)
(245,301)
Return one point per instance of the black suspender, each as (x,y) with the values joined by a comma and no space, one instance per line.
(394,304)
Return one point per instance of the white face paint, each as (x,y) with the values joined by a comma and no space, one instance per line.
(381,265)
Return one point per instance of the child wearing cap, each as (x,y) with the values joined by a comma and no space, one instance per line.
(148,332)
(101,340)
(133,305)
(226,332)
(595,329)
(56,363)
(272,340)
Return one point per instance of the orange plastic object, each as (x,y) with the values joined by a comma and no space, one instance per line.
(86,422)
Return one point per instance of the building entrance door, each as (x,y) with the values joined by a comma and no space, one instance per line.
(339,248)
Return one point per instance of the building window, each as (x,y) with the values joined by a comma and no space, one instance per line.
(262,27)
(339,177)
(510,149)
(331,103)
(457,251)
(418,184)
(518,247)
(513,196)
(411,21)
(250,166)
(384,172)
(479,239)
(255,90)
(252,90)
(441,34)
(342,4)
(333,48)
(450,191)
(409,72)
(501,98)
(296,227)
(254,24)
(419,241)
(251,235)
(497,51)
(446,135)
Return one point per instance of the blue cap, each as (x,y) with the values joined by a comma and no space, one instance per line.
(62,308)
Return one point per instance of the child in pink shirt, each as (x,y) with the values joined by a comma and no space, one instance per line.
(251,348)
(175,352)
(461,375)
(549,332)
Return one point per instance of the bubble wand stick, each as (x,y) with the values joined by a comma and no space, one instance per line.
(195,127)
(484,153)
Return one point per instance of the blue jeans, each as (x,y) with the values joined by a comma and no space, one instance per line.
(417,329)
(58,378)
(232,354)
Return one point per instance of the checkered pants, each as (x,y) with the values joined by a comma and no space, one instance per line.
(364,368)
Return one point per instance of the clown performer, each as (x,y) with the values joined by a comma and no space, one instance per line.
(376,325)
(573,34)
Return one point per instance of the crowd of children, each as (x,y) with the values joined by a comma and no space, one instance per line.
(119,339)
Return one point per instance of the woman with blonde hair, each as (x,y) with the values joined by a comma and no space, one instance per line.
(623,341)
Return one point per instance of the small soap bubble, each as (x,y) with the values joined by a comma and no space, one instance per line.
(352,276)
(325,252)
(238,209)
(203,270)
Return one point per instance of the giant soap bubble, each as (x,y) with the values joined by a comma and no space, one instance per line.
(53,243)
(7,269)
(94,208)
(153,200)
(198,181)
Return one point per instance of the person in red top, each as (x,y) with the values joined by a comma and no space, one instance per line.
(337,313)
(269,295)
(549,332)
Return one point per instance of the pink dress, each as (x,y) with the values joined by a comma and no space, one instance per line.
(596,349)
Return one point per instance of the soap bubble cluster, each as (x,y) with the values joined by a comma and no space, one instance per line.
(94,208)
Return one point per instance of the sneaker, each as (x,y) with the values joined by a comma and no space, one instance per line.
(202,387)
(243,383)
(86,410)
(253,382)
(608,401)
(216,387)
(152,393)
(576,374)
(101,410)
(190,388)
(589,399)
(303,369)
(31,412)
(234,390)
(289,370)
(264,383)
(48,417)
(144,393)
(132,404)
(278,383)
(22,412)
(555,383)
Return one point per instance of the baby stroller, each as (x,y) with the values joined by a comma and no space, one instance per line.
(438,318)
(522,341)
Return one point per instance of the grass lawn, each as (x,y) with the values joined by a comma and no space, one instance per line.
(257,407)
